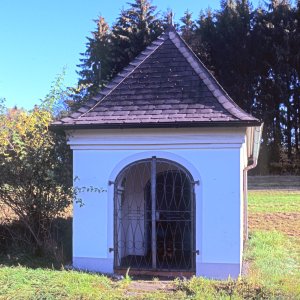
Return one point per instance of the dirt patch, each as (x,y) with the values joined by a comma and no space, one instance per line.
(285,222)
(141,287)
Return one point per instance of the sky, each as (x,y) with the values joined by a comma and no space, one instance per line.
(39,38)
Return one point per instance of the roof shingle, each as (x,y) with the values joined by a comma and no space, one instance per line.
(166,85)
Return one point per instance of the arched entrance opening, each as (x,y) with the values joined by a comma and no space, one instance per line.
(154,217)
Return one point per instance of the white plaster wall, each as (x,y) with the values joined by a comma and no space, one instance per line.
(213,156)
(243,163)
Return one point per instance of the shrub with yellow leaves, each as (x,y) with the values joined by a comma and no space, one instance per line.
(36,174)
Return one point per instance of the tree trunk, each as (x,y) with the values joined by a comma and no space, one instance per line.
(297,124)
(289,131)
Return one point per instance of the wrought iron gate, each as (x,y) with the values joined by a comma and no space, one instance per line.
(154,216)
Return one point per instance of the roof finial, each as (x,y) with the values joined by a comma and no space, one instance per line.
(170,17)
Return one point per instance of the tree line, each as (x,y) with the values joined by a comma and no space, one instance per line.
(253,52)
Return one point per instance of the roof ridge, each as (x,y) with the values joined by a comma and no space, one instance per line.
(207,77)
(117,80)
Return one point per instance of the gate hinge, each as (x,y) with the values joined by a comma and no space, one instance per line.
(197,252)
(110,182)
(196,182)
(111,250)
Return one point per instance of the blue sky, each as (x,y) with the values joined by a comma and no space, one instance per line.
(39,37)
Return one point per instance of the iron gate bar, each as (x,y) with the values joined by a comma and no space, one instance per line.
(193,210)
(153,214)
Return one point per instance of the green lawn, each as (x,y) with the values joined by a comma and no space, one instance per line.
(275,262)
(274,266)
(274,201)
(274,244)
(23,283)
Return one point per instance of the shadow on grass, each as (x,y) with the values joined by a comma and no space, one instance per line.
(15,250)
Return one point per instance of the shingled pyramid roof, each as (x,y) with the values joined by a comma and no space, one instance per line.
(165,86)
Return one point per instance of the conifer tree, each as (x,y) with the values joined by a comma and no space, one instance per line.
(96,62)
(110,50)
(136,27)
(187,28)
(204,36)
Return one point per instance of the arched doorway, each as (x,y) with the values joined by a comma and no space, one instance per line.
(154,217)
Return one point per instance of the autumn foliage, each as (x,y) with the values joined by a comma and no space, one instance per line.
(35,181)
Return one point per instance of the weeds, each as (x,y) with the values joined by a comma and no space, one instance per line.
(127,279)
(22,283)
(275,262)
(200,288)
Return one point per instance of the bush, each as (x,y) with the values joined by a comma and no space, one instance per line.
(35,168)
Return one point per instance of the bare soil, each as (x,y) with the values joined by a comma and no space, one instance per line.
(140,287)
(285,222)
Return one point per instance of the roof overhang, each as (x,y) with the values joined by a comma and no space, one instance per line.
(63,127)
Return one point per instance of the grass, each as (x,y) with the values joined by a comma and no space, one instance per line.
(274,201)
(275,262)
(276,210)
(273,256)
(24,283)
(274,244)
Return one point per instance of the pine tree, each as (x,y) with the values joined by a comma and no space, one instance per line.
(134,30)
(229,38)
(204,36)
(110,50)
(188,28)
(96,64)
